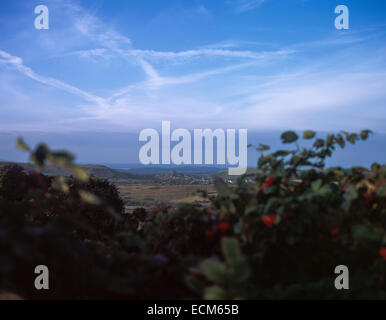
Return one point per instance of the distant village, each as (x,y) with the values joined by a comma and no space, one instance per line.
(175,178)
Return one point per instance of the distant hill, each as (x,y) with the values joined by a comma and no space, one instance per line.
(96,170)
(162,174)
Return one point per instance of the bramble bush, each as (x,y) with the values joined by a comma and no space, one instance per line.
(278,237)
(296,223)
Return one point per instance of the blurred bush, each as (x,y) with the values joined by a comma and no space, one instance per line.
(278,237)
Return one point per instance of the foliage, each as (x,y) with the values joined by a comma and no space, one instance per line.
(279,237)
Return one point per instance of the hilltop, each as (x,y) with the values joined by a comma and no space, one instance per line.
(96,170)
(140,175)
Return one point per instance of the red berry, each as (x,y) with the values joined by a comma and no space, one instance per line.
(335,232)
(210,234)
(224,226)
(269,220)
(382,253)
(369,197)
(345,189)
(267,183)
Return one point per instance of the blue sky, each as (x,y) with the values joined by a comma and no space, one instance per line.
(121,66)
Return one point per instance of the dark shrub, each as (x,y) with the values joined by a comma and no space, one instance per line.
(279,236)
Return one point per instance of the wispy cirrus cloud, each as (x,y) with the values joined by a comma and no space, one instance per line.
(247,5)
(17,63)
(112,44)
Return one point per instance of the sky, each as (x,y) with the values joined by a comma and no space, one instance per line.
(110,68)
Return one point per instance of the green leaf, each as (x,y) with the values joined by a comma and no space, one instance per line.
(231,251)
(352,138)
(316,185)
(81,174)
(365,134)
(39,155)
(89,197)
(21,145)
(270,190)
(215,293)
(330,140)
(282,153)
(325,190)
(381,191)
(375,167)
(340,141)
(345,205)
(263,147)
(365,233)
(271,204)
(289,137)
(309,134)
(351,193)
(60,184)
(251,209)
(61,158)
(238,227)
(214,270)
(345,133)
(319,143)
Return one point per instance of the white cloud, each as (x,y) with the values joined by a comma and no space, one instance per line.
(17,63)
(248,5)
